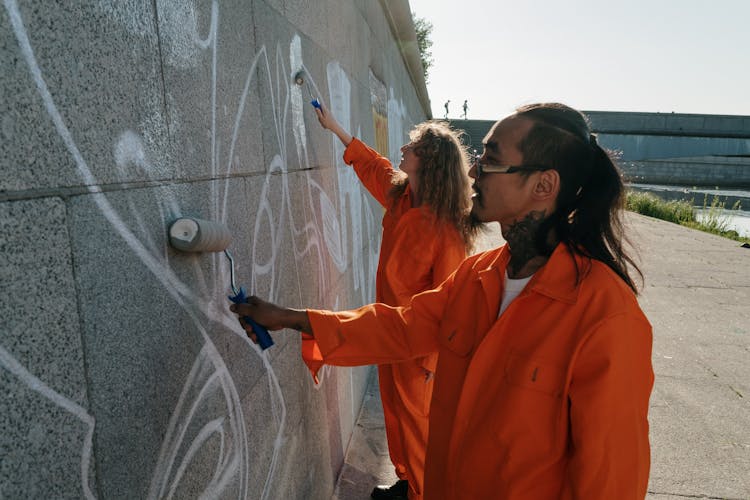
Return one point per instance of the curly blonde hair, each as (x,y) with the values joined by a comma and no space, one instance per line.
(444,184)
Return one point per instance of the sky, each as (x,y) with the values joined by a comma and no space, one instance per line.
(682,56)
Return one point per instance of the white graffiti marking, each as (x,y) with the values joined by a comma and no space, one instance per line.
(9,363)
(322,236)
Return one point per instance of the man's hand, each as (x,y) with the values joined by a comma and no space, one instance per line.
(271,316)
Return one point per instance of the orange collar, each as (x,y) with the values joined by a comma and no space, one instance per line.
(557,279)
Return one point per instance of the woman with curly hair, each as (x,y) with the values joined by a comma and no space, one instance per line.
(427,232)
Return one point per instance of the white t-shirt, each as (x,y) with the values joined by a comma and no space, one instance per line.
(512,289)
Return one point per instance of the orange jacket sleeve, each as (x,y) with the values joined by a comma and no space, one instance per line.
(377,333)
(373,170)
(609,393)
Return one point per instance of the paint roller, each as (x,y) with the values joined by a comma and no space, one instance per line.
(299,79)
(189,234)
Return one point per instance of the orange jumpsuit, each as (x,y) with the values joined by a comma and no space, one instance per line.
(549,400)
(417,253)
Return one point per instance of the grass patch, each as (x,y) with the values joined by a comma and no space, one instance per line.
(714,220)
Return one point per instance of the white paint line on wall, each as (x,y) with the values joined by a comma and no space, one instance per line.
(396,117)
(235,131)
(297,101)
(129,150)
(324,224)
(171,283)
(32,382)
(213,427)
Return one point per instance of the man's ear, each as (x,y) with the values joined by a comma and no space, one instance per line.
(547,185)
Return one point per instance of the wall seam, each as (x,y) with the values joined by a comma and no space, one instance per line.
(65,192)
(81,339)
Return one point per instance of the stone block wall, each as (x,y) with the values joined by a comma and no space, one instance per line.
(122,371)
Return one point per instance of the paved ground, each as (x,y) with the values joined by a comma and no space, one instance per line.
(697,296)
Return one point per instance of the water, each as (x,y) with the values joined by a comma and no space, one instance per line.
(738,220)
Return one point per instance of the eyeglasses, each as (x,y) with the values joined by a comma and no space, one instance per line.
(492,168)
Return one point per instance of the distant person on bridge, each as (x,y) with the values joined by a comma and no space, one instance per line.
(446,108)
(544,369)
(466,108)
(427,232)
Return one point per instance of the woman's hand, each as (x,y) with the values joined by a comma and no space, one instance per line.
(328,122)
(326,118)
(271,316)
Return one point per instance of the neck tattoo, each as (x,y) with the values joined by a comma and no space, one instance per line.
(521,241)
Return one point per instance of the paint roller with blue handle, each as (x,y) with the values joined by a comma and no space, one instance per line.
(189,234)
(299,79)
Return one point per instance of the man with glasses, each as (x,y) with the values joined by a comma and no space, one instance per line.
(489,168)
(544,370)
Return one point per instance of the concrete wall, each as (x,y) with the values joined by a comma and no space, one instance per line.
(636,147)
(703,171)
(674,124)
(680,149)
(650,136)
(122,371)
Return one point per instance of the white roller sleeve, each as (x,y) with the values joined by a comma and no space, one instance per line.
(196,235)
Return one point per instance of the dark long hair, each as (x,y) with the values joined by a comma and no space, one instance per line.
(588,215)
(444,184)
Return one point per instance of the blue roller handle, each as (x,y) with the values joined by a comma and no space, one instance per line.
(315,103)
(264,339)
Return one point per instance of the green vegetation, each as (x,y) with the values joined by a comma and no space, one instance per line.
(683,213)
(424,29)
